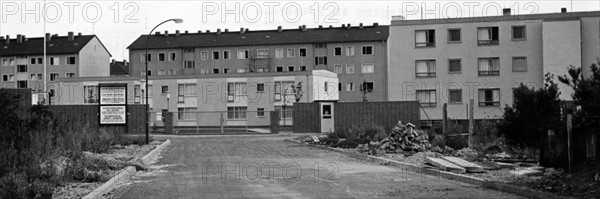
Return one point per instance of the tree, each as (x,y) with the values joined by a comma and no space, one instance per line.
(364,90)
(533,112)
(586,91)
(297,89)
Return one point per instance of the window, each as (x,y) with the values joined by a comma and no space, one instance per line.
(285,112)
(70,60)
(302,68)
(172,56)
(34,77)
(226,70)
(171,72)
(54,61)
(143,57)
(242,70)
(226,54)
(262,53)
(260,87)
(453,35)
(489,97)
(424,38)
(519,33)
(320,45)
(350,69)
(454,66)
(426,98)
(40,60)
(519,64)
(22,84)
(320,60)
(282,87)
(242,54)
(279,53)
(349,86)
(184,90)
(215,71)
(368,68)
(187,113)
(337,51)
(339,86)
(338,69)
(215,55)
(4,62)
(189,64)
(161,72)
(291,68)
(487,36)
(455,96)
(260,112)
(367,86)
(350,51)
(11,77)
(40,77)
(150,91)
(367,50)
(189,50)
(489,66)
(164,89)
(70,75)
(149,73)
(12,62)
(291,52)
(236,90)
(21,68)
(161,56)
(203,55)
(425,68)
(302,52)
(32,61)
(236,113)
(53,76)
(4,78)
(279,68)
(326,86)
(137,93)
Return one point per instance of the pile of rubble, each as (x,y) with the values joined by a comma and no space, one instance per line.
(404,138)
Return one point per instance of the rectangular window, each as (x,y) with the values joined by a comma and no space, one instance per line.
(40,60)
(291,68)
(54,61)
(489,66)
(187,113)
(302,52)
(161,56)
(349,86)
(260,87)
(338,69)
(519,64)
(4,78)
(226,70)
(22,84)
(32,61)
(427,98)
(285,112)
(189,64)
(70,75)
(161,72)
(149,73)
(260,112)
(350,51)
(236,113)
(215,71)
(320,61)
(277,89)
(226,54)
(487,36)
(215,55)
(302,68)
(337,51)
(339,86)
(279,69)
(236,90)
(425,68)
(454,35)
(172,57)
(4,62)
(189,50)
(204,55)
(11,77)
(242,70)
(291,52)
(137,93)
(70,60)
(367,86)
(279,53)
(33,77)
(242,54)
(164,89)
(262,53)
(424,38)
(21,68)
(53,76)
(40,77)
(454,66)
(12,62)
(185,90)
(350,69)
(455,96)
(143,57)
(489,97)
(320,45)
(367,50)
(519,33)
(368,68)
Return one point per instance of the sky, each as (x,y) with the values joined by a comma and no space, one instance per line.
(119,23)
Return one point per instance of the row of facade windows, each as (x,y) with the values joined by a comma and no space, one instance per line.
(485,36)
(53,61)
(234,113)
(486,97)
(36,77)
(486,66)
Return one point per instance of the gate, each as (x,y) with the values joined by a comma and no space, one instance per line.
(219,122)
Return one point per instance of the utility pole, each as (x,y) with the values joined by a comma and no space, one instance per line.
(471,122)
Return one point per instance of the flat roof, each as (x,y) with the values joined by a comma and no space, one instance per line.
(543,17)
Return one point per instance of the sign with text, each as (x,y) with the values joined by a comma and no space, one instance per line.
(112,103)
(112,115)
(113,95)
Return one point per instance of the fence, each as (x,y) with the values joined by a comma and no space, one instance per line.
(76,115)
(220,122)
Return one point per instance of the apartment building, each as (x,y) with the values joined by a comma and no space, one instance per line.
(22,59)
(358,54)
(452,61)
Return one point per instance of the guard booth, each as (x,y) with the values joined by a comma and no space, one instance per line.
(326,110)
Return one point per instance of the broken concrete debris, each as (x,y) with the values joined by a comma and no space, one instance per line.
(470,167)
(444,165)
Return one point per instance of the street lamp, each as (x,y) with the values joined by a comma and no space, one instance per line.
(147,82)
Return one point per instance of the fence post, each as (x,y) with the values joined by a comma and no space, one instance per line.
(569,129)
(471,121)
(222,122)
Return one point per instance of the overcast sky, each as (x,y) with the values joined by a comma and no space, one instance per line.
(119,23)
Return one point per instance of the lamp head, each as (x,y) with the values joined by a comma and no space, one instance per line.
(177,20)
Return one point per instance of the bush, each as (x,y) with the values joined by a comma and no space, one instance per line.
(360,134)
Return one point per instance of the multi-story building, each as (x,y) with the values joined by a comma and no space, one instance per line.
(22,63)
(358,54)
(438,61)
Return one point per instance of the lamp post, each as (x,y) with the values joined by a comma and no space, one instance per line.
(146,61)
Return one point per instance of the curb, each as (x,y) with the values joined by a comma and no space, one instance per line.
(124,174)
(499,186)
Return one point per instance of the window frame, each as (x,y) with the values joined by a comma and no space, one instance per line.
(427,42)
(300,52)
(367,47)
(18,83)
(186,64)
(491,72)
(491,41)
(182,94)
(450,66)
(245,55)
(335,69)
(291,67)
(486,103)
(172,56)
(68,60)
(236,112)
(215,53)
(362,68)
(512,33)
(279,53)
(513,63)
(52,78)
(450,101)
(164,57)
(203,55)
(351,86)
(350,66)
(68,75)
(19,67)
(349,51)
(335,48)
(260,112)
(428,74)
(291,55)
(427,104)
(372,83)
(226,54)
(459,35)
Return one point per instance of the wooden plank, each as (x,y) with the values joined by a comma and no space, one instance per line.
(444,165)
(470,167)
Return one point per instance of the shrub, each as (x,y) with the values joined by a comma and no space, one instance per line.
(360,134)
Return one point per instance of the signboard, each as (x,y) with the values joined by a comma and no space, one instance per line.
(112,104)
(113,115)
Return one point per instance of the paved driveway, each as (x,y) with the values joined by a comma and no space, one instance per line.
(266,167)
